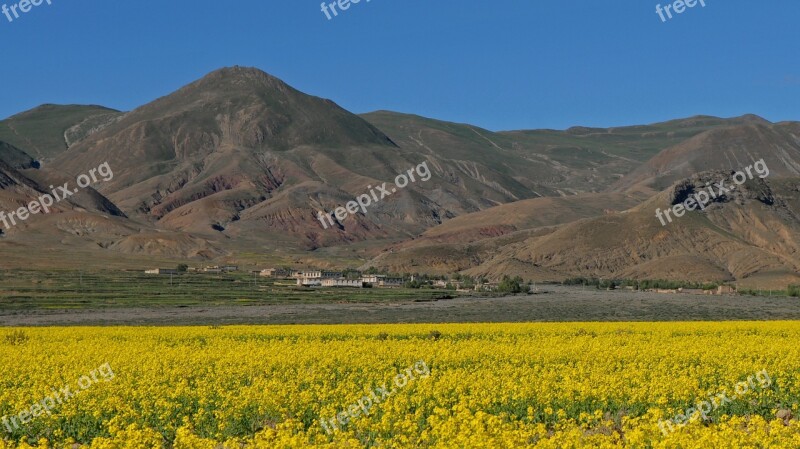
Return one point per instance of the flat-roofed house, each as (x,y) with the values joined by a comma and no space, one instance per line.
(162,271)
(276,273)
(311,274)
(353,283)
(309,282)
(372,279)
(311,278)
(391,282)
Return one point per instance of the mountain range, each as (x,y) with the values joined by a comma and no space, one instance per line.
(235,167)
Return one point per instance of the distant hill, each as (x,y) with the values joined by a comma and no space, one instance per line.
(239,154)
(236,166)
(47,131)
(77,229)
(466,241)
(727,148)
(751,236)
(547,162)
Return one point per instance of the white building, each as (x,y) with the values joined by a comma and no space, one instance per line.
(309,282)
(354,283)
(373,279)
(276,273)
(391,282)
(315,277)
(380,280)
(162,271)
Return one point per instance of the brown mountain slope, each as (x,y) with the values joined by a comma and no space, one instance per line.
(730,148)
(48,130)
(239,162)
(242,158)
(197,159)
(547,162)
(751,235)
(241,154)
(15,157)
(86,228)
(19,186)
(527,214)
(466,241)
(74,238)
(24,176)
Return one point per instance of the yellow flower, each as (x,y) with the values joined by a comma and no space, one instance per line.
(483,386)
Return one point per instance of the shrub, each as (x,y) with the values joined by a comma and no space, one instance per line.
(412,284)
(510,285)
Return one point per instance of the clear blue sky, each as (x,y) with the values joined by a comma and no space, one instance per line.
(503,64)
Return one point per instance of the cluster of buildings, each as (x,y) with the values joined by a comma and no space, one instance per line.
(721,290)
(216,269)
(209,269)
(161,271)
(322,278)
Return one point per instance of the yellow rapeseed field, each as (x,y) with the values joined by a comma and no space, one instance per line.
(563,385)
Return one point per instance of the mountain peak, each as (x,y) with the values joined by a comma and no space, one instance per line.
(752,118)
(237,78)
(240,73)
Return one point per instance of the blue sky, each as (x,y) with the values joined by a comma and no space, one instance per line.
(503,64)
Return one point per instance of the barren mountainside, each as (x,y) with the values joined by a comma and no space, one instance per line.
(48,130)
(751,235)
(238,164)
(729,148)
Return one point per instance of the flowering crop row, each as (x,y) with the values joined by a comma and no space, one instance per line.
(487,385)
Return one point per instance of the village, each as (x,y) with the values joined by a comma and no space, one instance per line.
(320,278)
(346,279)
